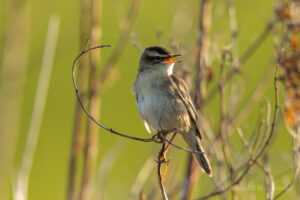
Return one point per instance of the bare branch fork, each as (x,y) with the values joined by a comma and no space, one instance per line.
(253,159)
(157,138)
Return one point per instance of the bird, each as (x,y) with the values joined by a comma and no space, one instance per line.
(164,103)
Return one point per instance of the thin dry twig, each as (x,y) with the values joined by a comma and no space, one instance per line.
(162,160)
(245,56)
(261,166)
(253,160)
(203,43)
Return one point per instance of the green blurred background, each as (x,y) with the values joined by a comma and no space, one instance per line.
(175,20)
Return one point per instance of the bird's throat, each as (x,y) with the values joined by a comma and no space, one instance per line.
(170,69)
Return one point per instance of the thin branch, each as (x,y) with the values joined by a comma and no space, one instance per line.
(176,146)
(84,108)
(245,56)
(252,161)
(203,43)
(261,166)
(162,160)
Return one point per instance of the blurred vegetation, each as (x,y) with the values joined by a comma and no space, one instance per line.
(170,23)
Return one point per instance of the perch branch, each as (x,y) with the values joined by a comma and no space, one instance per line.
(162,160)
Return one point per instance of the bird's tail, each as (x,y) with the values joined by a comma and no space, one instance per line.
(195,144)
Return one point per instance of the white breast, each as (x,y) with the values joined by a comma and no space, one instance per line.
(153,102)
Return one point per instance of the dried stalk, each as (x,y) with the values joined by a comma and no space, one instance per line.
(261,166)
(21,188)
(91,144)
(202,49)
(203,45)
(13,64)
(162,160)
(79,120)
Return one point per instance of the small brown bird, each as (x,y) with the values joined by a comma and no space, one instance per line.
(164,102)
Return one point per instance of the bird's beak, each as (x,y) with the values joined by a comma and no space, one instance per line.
(171,58)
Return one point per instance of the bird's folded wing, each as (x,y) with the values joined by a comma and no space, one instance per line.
(183,92)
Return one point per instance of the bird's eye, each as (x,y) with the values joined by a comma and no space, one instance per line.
(155,59)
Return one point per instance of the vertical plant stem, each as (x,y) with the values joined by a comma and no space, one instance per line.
(91,144)
(21,188)
(162,159)
(203,45)
(79,119)
(14,56)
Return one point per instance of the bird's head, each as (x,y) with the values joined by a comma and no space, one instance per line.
(158,58)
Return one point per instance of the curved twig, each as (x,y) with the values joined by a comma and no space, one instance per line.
(157,138)
(84,108)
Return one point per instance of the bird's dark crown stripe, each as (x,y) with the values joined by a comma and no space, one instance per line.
(159,50)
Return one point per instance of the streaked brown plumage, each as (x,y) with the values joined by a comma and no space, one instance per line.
(164,102)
